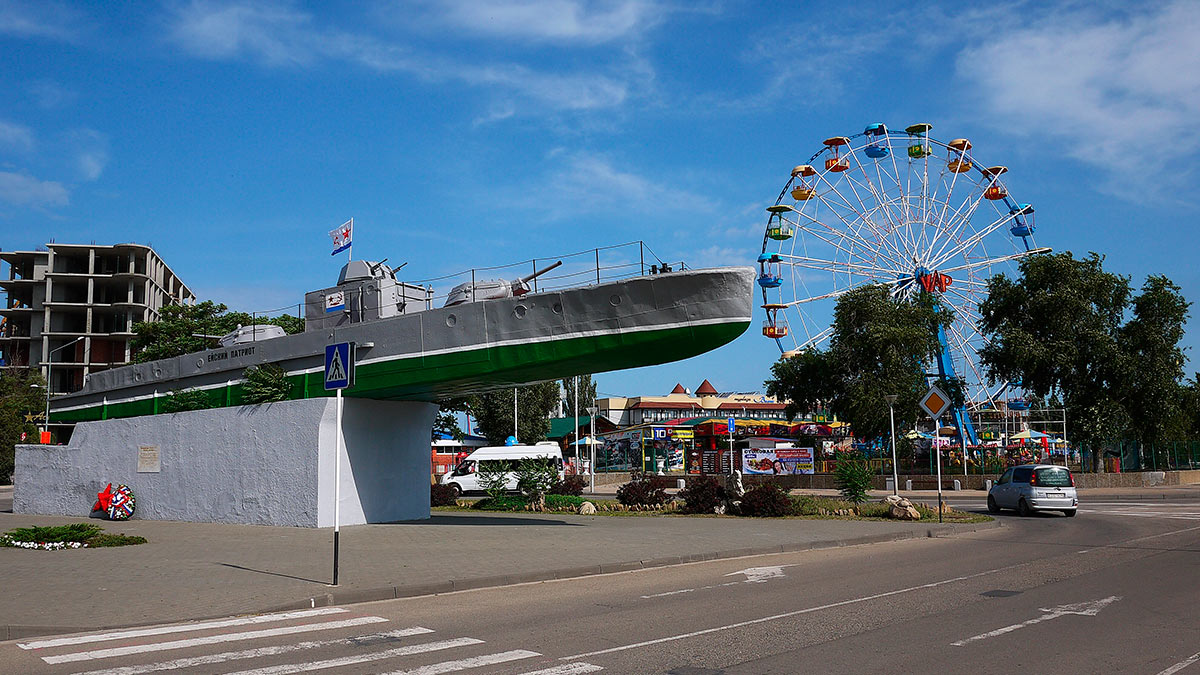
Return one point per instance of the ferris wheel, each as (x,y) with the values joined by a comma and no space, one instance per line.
(902,210)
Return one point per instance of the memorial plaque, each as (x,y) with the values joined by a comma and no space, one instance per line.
(148,460)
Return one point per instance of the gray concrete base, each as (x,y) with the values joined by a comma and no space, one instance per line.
(268,464)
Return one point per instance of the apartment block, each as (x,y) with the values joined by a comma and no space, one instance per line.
(75,305)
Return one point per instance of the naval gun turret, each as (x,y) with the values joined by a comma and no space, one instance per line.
(493,289)
(366,291)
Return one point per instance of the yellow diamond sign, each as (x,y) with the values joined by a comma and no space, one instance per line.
(935,402)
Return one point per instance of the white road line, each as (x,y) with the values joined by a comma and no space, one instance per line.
(776,617)
(179,628)
(361,640)
(209,640)
(463,664)
(1078,609)
(567,669)
(361,658)
(1181,665)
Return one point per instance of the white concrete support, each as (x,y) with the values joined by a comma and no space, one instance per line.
(267,464)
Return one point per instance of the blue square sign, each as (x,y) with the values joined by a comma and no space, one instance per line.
(339,367)
(731,426)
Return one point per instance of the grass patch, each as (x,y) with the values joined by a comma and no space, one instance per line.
(75,535)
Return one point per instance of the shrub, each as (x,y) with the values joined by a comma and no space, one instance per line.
(766,500)
(640,491)
(571,485)
(556,502)
(186,399)
(75,535)
(501,503)
(702,495)
(267,383)
(535,476)
(442,495)
(853,479)
(492,477)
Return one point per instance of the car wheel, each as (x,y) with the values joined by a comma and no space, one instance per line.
(457,490)
(1023,509)
(1070,513)
(993,507)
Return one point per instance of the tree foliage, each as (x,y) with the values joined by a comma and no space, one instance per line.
(183,329)
(879,346)
(267,383)
(493,412)
(1057,332)
(446,421)
(587,394)
(20,404)
(183,400)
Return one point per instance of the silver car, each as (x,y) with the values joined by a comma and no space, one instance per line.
(1034,487)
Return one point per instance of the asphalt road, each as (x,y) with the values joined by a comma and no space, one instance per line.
(1112,590)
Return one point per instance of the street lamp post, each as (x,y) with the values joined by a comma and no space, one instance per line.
(891,401)
(592,410)
(49,365)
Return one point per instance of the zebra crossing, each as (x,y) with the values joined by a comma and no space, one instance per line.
(412,650)
(1178,510)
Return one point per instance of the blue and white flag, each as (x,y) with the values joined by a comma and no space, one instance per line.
(341,236)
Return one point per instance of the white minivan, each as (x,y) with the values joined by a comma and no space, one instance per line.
(464,476)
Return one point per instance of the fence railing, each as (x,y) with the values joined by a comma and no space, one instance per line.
(1131,455)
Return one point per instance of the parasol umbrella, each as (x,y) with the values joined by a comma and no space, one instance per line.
(1029,434)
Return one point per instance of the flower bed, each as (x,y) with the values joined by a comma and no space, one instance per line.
(75,535)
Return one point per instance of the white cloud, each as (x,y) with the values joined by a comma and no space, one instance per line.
(23,190)
(50,94)
(90,149)
(279,35)
(38,20)
(16,136)
(1115,92)
(569,22)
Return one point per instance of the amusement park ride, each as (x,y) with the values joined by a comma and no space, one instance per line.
(903,210)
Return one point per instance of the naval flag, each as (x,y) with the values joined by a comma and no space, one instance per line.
(341,236)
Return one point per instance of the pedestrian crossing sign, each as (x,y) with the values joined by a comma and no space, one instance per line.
(339,366)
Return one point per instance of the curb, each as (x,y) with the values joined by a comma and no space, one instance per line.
(357,596)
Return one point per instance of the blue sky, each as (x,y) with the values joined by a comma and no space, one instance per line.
(233,135)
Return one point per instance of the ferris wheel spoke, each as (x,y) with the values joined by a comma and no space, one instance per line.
(966,349)
(817,339)
(994,260)
(838,293)
(835,265)
(839,233)
(865,218)
(849,226)
(889,234)
(960,221)
(971,241)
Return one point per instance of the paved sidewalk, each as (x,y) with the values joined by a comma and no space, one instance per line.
(200,570)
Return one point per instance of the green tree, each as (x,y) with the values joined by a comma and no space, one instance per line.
(879,346)
(22,401)
(184,400)
(587,394)
(1149,342)
(494,412)
(446,421)
(1055,331)
(183,329)
(267,383)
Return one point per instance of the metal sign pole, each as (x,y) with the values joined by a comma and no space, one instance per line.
(337,487)
(937,436)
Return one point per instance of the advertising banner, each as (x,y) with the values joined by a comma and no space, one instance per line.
(779,461)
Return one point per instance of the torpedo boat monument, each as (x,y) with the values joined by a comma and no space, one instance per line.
(273,464)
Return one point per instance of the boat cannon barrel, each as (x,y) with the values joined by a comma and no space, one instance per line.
(538,273)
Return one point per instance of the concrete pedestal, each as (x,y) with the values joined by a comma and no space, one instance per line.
(268,464)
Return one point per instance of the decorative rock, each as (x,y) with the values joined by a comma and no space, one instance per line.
(719,509)
(587,509)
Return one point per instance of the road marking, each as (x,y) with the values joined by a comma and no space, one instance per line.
(474,662)
(758,575)
(1182,664)
(363,658)
(1080,609)
(179,628)
(209,640)
(785,615)
(693,590)
(567,669)
(225,657)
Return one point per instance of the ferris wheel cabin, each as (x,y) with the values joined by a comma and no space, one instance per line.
(779,228)
(837,162)
(957,161)
(877,145)
(1022,216)
(805,188)
(770,267)
(996,190)
(772,328)
(919,148)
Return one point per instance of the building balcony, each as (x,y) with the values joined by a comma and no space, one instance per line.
(17,311)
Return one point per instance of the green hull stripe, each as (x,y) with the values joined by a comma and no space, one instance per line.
(427,378)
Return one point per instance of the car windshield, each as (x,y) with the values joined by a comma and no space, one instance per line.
(1053,478)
